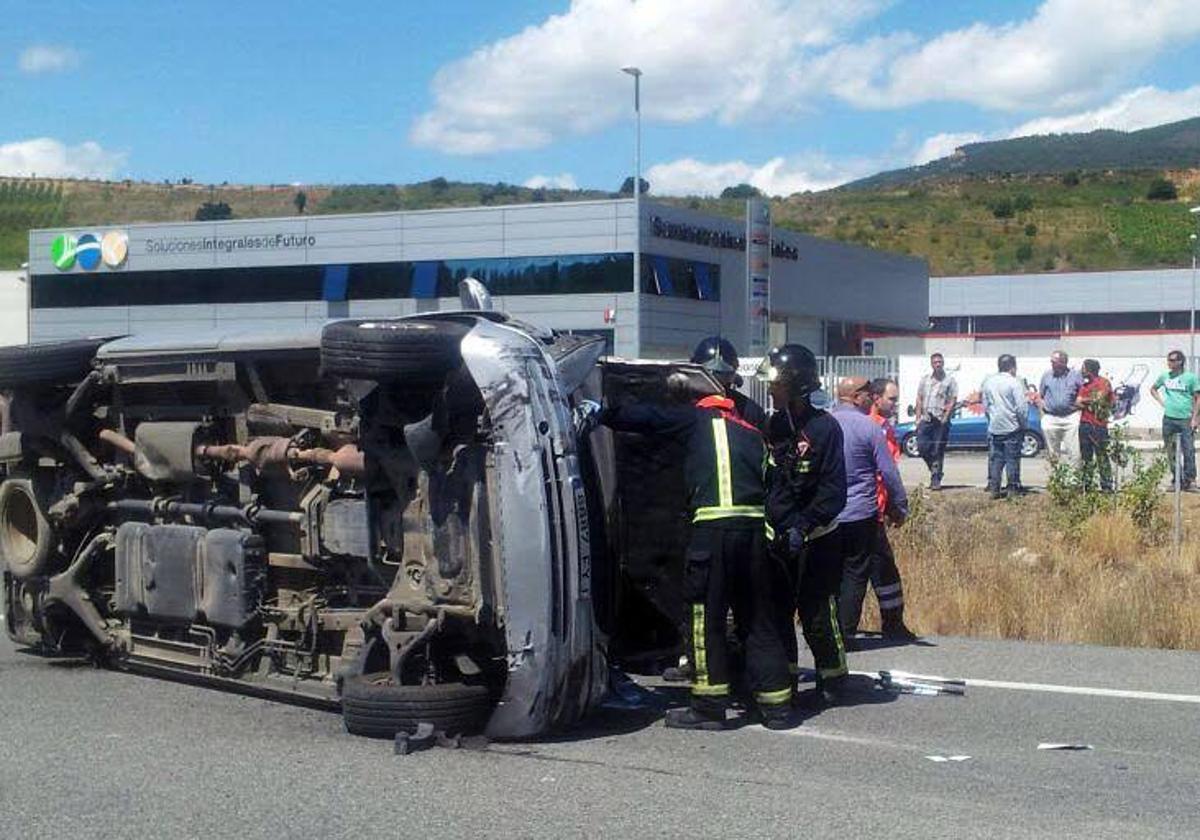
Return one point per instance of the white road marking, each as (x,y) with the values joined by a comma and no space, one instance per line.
(1120,693)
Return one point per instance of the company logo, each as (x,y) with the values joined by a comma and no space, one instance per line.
(88,250)
(62,251)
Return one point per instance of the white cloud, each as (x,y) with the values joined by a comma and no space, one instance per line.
(47,58)
(723,59)
(778,176)
(942,145)
(1140,108)
(49,158)
(1064,56)
(565,181)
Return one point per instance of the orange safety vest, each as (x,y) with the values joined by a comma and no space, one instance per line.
(889,431)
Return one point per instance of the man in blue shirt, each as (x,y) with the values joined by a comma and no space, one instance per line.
(1056,397)
(1007,408)
(868,461)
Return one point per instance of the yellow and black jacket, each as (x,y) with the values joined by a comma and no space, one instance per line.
(723,469)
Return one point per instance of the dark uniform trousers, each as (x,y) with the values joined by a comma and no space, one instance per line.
(867,555)
(727,567)
(816,575)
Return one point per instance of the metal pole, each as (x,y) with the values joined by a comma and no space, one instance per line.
(1177,530)
(1192,314)
(637,176)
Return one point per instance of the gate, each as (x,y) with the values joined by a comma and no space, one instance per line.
(868,367)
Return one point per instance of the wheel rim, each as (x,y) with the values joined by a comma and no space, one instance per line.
(1029,446)
(910,447)
(19,528)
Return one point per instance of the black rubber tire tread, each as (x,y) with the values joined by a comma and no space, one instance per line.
(15,491)
(54,363)
(382,350)
(380,709)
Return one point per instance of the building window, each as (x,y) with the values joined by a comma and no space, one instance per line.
(1117,321)
(947,326)
(1178,320)
(1010,324)
(584,274)
(672,277)
(364,281)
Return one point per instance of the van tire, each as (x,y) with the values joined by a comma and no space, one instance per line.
(374,706)
(26,538)
(57,363)
(406,350)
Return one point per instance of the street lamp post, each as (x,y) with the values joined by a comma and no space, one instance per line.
(1192,313)
(637,176)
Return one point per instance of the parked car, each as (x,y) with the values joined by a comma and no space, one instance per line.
(968,430)
(393,516)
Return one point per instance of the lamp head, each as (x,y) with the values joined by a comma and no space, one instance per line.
(635,71)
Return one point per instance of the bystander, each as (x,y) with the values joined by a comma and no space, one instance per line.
(1178,392)
(1006,404)
(1056,397)
(1095,401)
(936,395)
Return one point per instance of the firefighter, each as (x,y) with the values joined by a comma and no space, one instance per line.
(726,565)
(806,490)
(718,356)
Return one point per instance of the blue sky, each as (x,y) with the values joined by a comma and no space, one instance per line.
(786,94)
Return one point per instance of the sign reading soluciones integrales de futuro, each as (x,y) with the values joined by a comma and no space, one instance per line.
(88,251)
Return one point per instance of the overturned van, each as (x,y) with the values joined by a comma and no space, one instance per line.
(393,516)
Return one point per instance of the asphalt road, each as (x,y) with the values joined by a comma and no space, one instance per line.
(99,754)
(969,469)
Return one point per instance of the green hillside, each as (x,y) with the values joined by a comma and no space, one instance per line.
(1171,146)
(960,224)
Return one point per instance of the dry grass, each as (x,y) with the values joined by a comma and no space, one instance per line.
(974,567)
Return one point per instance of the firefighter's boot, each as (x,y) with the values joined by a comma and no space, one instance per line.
(689,718)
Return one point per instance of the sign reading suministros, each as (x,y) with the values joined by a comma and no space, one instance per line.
(680,232)
(229,244)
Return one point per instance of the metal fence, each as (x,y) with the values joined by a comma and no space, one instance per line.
(832,369)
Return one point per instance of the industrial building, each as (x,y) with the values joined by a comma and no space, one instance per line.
(1099,313)
(570,266)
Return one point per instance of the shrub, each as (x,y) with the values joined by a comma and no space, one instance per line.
(1002,208)
(1162,190)
(213,211)
(1031,229)
(1024,252)
(1070,179)
(1076,495)
(1023,202)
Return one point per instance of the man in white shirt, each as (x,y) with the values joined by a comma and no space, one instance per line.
(936,396)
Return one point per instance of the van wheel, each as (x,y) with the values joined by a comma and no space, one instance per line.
(58,363)
(26,538)
(409,350)
(374,706)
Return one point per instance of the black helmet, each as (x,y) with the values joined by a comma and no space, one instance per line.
(716,354)
(792,364)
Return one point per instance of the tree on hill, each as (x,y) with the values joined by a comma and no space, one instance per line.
(627,186)
(300,199)
(1162,190)
(213,211)
(741,191)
